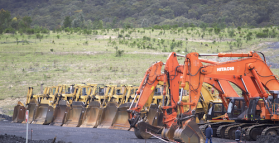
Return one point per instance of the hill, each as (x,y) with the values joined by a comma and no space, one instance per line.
(145,13)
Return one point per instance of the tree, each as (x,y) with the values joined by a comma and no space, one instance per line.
(208,18)
(5,19)
(67,22)
(27,21)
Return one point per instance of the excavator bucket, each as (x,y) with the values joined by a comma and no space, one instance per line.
(108,115)
(75,115)
(189,133)
(153,124)
(32,107)
(92,115)
(121,118)
(60,113)
(155,115)
(43,115)
(19,113)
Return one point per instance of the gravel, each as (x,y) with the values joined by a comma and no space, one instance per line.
(16,139)
(4,117)
(16,133)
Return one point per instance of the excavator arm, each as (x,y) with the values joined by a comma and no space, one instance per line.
(152,77)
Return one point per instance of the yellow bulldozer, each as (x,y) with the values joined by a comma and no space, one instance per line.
(64,102)
(77,109)
(100,94)
(115,98)
(47,102)
(19,109)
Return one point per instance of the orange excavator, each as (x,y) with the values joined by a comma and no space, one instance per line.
(151,79)
(239,81)
(263,118)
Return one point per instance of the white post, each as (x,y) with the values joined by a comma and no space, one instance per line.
(27,113)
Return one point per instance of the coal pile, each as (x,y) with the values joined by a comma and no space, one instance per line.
(4,117)
(15,139)
(268,139)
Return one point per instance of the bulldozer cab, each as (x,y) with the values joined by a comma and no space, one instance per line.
(119,94)
(102,94)
(131,93)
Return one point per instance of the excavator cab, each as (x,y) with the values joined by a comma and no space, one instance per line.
(215,110)
(236,108)
(257,105)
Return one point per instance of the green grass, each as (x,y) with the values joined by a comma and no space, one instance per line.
(77,58)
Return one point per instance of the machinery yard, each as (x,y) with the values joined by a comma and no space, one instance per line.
(155,71)
(78,91)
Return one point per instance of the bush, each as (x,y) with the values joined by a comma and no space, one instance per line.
(120,36)
(44,30)
(146,38)
(127,35)
(30,31)
(261,35)
(9,30)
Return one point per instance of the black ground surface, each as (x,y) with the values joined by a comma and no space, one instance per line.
(46,133)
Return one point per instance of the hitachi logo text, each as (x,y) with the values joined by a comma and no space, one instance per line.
(225,69)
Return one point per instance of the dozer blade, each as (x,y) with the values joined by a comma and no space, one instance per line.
(75,115)
(19,114)
(92,115)
(43,115)
(60,113)
(32,107)
(108,115)
(189,132)
(120,121)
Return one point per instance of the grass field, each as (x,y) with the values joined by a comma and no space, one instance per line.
(57,58)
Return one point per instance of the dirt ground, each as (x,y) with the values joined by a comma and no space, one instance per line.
(46,133)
